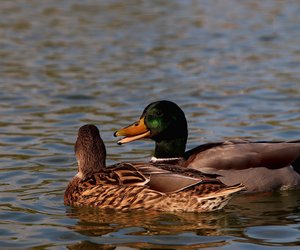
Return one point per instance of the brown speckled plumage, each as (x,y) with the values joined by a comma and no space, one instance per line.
(125,186)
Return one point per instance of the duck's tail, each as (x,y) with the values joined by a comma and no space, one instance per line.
(296,165)
(228,191)
(219,199)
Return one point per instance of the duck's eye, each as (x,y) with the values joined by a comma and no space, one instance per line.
(158,114)
(154,123)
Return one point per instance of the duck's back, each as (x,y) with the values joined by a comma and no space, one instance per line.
(155,189)
(260,166)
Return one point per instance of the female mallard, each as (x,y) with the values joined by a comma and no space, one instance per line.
(127,186)
(260,166)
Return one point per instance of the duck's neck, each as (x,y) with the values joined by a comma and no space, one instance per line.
(171,148)
(87,168)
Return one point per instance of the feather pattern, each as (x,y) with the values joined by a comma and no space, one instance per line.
(126,186)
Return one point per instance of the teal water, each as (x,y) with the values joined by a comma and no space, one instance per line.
(233,66)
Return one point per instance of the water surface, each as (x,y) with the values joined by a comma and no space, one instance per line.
(233,66)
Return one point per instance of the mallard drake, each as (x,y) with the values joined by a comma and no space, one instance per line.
(260,166)
(125,186)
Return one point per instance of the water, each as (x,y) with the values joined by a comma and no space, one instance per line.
(233,66)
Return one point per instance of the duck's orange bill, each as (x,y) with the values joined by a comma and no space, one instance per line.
(133,132)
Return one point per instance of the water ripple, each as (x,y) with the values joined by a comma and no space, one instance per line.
(233,68)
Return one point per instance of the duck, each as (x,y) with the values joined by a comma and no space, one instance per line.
(262,166)
(136,185)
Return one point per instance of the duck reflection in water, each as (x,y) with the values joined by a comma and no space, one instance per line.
(140,227)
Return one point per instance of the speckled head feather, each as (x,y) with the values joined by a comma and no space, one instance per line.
(90,151)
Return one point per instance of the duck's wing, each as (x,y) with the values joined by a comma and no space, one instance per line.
(124,174)
(173,183)
(243,155)
(167,178)
(188,172)
(143,174)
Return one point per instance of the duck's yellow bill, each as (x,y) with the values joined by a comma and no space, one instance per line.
(133,132)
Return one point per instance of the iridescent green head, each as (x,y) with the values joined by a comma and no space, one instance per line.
(165,123)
